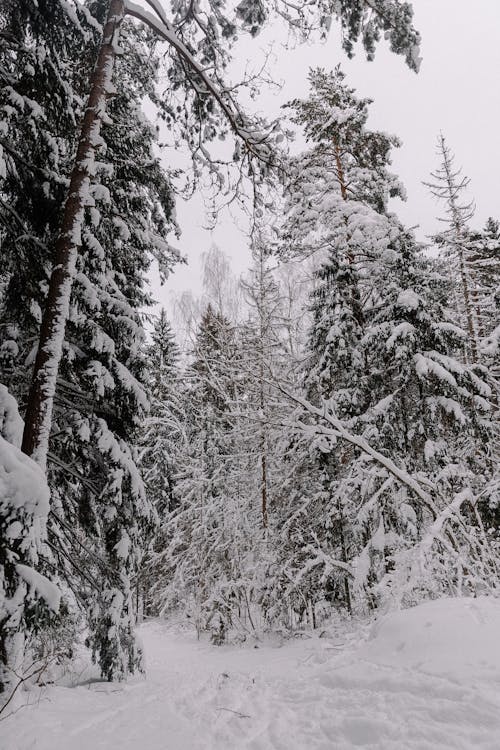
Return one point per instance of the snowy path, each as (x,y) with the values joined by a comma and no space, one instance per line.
(303,696)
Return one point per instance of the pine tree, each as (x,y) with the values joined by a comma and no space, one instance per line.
(124,230)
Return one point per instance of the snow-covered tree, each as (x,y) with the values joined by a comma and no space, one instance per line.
(26,596)
(382,364)
(261,345)
(163,381)
(201,562)
(187,35)
(37,106)
(162,444)
(100,397)
(484,263)
(124,231)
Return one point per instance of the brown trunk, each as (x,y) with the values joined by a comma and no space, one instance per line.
(340,171)
(343,187)
(467,301)
(347,589)
(38,416)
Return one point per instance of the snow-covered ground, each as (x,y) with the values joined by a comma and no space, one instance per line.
(425,679)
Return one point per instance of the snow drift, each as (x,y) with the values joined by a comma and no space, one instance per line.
(453,638)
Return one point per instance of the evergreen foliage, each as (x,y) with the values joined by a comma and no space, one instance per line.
(100,396)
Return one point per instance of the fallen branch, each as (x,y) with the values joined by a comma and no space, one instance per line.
(238,713)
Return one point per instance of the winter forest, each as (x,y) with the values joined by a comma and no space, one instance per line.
(268,504)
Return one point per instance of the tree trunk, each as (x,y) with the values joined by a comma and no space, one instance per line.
(343,545)
(263,467)
(38,416)
(340,171)
(467,299)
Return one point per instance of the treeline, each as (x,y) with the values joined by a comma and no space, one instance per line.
(334,447)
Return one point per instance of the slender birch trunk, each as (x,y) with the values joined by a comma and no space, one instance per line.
(38,416)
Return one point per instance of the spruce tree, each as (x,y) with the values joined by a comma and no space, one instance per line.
(205,551)
(100,397)
(37,105)
(484,262)
(163,385)
(161,447)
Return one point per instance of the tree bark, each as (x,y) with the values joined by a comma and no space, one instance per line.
(340,171)
(38,416)
(343,545)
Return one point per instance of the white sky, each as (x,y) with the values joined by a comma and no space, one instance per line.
(457,91)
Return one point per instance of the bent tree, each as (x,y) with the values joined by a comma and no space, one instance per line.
(195,35)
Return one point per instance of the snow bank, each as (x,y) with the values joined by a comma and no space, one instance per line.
(11,424)
(454,638)
(22,484)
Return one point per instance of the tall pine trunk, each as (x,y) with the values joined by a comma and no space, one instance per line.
(38,416)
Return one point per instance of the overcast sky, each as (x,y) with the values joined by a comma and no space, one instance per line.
(457,91)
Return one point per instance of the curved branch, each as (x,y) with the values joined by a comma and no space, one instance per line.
(164,29)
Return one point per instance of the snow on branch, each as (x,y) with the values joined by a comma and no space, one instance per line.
(337,430)
(256,141)
(452,511)
(45,589)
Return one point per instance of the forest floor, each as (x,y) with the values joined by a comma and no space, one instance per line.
(423,679)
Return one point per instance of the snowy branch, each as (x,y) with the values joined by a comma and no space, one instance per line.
(256,142)
(339,431)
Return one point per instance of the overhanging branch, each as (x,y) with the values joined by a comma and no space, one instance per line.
(161,26)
